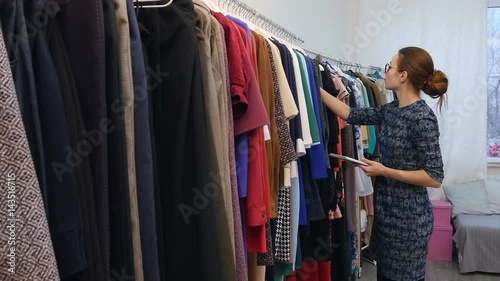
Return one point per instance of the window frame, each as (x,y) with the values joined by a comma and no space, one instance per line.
(493,161)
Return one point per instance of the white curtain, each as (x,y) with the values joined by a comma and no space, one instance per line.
(454,33)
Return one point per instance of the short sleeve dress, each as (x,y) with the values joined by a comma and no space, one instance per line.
(403,219)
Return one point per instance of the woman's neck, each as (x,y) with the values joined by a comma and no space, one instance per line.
(407,96)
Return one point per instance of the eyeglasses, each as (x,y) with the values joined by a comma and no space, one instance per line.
(388,67)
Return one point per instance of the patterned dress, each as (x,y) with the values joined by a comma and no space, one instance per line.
(403,222)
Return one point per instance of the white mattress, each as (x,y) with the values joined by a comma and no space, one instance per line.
(477,238)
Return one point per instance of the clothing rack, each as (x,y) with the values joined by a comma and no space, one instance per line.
(252,15)
(341,63)
(243,10)
(255,17)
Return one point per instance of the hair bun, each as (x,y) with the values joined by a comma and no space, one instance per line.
(436,85)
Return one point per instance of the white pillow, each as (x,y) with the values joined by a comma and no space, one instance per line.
(493,193)
(468,198)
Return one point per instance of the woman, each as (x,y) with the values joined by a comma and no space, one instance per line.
(410,160)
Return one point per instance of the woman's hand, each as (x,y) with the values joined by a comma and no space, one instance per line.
(418,177)
(374,168)
(335,105)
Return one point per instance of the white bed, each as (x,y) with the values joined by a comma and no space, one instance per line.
(477,238)
(476,220)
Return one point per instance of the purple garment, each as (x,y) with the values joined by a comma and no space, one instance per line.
(242,24)
(241,143)
(239,234)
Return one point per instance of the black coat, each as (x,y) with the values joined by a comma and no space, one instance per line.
(193,246)
(82,29)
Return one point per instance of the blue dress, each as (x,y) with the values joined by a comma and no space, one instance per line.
(403,219)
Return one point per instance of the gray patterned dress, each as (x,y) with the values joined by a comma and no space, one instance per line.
(403,222)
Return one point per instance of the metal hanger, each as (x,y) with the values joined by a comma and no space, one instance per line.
(151,4)
(250,15)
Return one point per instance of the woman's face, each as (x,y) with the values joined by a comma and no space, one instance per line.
(393,74)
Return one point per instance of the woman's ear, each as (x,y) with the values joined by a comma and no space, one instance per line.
(403,76)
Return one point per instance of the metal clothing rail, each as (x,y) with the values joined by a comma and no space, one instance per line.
(252,15)
(341,63)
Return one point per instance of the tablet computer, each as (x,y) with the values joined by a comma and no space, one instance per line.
(345,158)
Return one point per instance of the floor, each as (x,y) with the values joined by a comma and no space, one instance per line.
(435,271)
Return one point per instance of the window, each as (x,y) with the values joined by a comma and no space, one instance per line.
(493,137)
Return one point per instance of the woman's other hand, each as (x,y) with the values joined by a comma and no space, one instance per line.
(373,169)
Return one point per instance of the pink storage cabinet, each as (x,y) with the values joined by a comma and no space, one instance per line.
(440,245)
(442,212)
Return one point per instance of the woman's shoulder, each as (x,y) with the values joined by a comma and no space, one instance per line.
(390,105)
(423,110)
(422,116)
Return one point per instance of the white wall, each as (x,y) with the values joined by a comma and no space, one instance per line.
(322,24)
(494,170)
